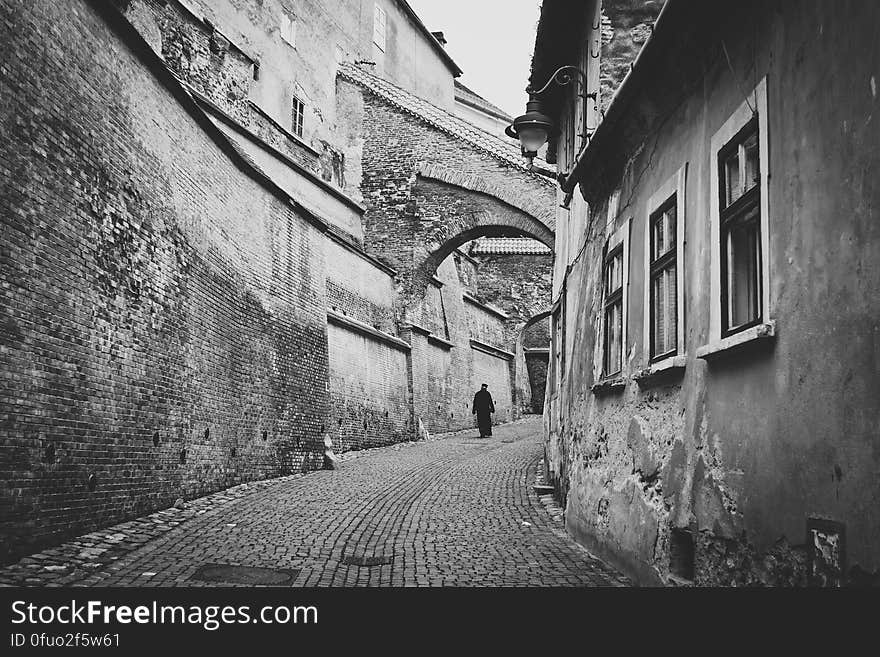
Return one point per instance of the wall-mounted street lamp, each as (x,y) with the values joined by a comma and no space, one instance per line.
(534,128)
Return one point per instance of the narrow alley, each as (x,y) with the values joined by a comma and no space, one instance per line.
(455,510)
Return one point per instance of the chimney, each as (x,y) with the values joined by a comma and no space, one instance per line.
(439,36)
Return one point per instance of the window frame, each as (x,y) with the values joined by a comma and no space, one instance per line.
(674,188)
(298,115)
(557,328)
(618,241)
(737,213)
(378,35)
(717,340)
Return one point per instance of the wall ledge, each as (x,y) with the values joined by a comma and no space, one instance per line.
(761,333)
(370,331)
(608,386)
(491,309)
(663,369)
(491,350)
(435,339)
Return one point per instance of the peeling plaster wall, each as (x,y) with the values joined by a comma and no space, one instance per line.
(739,453)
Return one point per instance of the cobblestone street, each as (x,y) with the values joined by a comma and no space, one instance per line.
(451,511)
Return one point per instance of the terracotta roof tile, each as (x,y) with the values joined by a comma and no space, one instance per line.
(508,245)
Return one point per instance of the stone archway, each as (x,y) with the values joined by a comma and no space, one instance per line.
(524,380)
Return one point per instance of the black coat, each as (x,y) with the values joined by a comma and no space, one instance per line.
(483,404)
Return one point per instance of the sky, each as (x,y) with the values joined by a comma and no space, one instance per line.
(491,41)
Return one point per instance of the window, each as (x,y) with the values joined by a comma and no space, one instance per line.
(740,231)
(558,347)
(613,312)
(288,29)
(664,272)
(608,359)
(741,308)
(379,27)
(297,117)
(663,281)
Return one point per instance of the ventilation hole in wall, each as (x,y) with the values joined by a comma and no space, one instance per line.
(156,439)
(183,456)
(265,434)
(453,415)
(92,482)
(339,422)
(232,452)
(438,407)
(365,425)
(386,412)
(49,453)
(681,554)
(322,428)
(207,432)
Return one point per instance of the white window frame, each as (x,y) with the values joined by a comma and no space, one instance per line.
(618,237)
(380,25)
(288,29)
(675,185)
(302,115)
(756,99)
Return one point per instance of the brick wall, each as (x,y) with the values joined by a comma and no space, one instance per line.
(369,383)
(164,314)
(369,391)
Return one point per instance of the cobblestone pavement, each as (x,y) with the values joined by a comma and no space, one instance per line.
(455,511)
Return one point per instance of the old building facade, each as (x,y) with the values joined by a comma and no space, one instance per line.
(232,230)
(712,406)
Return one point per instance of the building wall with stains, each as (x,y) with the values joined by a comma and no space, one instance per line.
(757,465)
(164,324)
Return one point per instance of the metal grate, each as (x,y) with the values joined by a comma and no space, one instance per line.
(254,575)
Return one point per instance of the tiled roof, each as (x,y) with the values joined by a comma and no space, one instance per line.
(508,245)
(472,98)
(503,149)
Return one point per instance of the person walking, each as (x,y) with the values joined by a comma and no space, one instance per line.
(483,409)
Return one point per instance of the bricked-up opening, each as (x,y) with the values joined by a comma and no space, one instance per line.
(681,554)
(156,439)
(49,453)
(182,456)
(233,452)
(265,435)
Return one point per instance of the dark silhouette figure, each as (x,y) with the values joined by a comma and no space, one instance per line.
(483,409)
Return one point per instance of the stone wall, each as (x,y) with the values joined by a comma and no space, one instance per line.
(626,25)
(164,333)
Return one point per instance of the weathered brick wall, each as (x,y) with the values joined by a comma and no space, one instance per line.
(518,284)
(164,314)
(369,391)
(369,385)
(359,289)
(484,325)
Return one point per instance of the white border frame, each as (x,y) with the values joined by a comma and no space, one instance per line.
(740,117)
(675,185)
